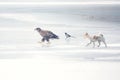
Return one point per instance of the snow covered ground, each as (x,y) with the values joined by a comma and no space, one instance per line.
(23,58)
(20,42)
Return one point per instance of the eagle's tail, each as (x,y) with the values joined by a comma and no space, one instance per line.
(54,36)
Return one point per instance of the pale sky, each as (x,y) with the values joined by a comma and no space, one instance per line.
(55,0)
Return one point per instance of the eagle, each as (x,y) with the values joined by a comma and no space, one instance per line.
(46,34)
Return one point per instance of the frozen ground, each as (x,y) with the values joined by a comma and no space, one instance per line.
(64,61)
(20,42)
(46,68)
(23,58)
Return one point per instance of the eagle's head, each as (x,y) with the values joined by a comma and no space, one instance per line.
(38,29)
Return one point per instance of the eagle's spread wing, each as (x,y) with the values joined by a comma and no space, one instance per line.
(52,35)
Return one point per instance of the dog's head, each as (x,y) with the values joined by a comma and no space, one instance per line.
(86,35)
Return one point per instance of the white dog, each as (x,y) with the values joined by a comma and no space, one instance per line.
(100,38)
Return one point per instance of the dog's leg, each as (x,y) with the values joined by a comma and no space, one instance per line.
(105,43)
(93,44)
(99,43)
(89,43)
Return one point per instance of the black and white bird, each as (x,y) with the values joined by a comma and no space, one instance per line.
(68,36)
(46,35)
